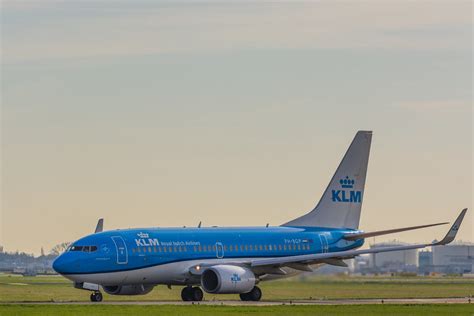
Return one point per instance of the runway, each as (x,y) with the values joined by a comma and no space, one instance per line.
(465,300)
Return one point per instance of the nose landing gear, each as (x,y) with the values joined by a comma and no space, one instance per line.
(96,297)
(192,294)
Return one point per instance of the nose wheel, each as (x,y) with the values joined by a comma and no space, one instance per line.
(96,297)
(254,295)
(194,294)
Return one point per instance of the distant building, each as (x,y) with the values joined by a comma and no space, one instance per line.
(454,258)
(362,264)
(394,261)
(425,262)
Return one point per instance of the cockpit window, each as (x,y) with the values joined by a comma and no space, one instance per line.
(83,248)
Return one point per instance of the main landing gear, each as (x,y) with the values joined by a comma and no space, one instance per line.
(192,294)
(96,297)
(254,295)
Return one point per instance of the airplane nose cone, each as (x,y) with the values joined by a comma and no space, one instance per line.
(59,264)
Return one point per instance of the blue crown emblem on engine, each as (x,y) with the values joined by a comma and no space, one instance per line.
(235,278)
(347,183)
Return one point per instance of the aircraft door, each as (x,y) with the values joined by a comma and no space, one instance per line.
(219,250)
(324,243)
(121,247)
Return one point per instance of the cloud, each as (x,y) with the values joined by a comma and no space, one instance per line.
(436,105)
(105,29)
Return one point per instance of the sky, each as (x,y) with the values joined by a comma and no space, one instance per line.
(167,113)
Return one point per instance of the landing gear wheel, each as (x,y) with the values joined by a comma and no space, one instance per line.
(254,295)
(186,293)
(96,297)
(244,296)
(197,294)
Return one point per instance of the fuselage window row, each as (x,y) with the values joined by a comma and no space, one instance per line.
(206,248)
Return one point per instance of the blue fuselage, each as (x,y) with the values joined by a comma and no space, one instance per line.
(132,249)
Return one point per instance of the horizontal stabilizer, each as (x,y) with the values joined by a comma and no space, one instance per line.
(355,236)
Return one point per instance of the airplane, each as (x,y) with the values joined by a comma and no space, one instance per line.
(233,260)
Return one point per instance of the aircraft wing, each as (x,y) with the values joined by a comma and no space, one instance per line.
(304,260)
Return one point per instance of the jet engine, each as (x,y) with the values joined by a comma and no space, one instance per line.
(228,279)
(139,289)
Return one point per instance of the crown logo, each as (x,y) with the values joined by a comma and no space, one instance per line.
(142,235)
(347,183)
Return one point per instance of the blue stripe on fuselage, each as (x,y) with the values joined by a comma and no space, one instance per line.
(145,247)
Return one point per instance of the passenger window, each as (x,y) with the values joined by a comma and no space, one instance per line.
(299,247)
(279,247)
(199,248)
(266,247)
(246,247)
(170,249)
(144,249)
(251,247)
(261,248)
(138,250)
(231,248)
(133,250)
(165,249)
(241,248)
(149,249)
(270,247)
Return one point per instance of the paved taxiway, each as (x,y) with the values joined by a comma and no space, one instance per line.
(465,300)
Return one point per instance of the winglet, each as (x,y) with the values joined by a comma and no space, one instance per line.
(100,226)
(453,230)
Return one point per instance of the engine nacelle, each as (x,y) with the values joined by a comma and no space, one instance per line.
(139,289)
(227,279)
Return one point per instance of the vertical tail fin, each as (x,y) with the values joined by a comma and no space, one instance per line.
(341,203)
